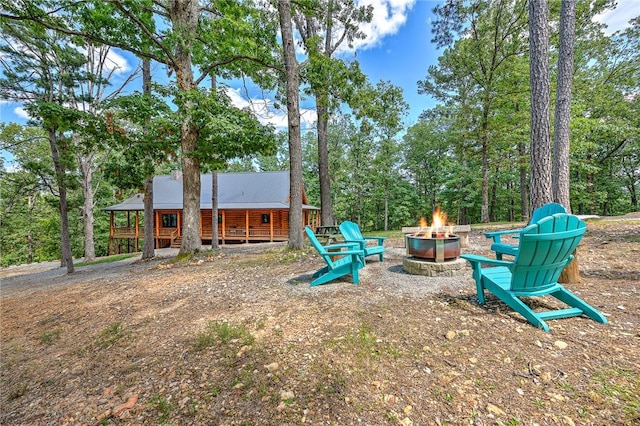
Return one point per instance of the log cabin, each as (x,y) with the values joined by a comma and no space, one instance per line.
(252,207)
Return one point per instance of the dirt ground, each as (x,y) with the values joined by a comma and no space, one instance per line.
(239,338)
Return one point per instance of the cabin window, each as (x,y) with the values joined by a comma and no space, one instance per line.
(219,218)
(266,218)
(170,220)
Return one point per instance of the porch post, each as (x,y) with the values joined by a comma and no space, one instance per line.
(271,224)
(246,225)
(135,244)
(111,232)
(224,227)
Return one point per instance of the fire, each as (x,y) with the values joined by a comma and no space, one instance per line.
(438,228)
(439,219)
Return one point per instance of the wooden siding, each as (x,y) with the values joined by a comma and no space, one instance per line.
(234,227)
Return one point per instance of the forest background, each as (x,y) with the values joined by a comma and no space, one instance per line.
(384,172)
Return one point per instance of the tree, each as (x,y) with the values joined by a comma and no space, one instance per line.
(22,193)
(427,158)
(293,118)
(89,145)
(560,175)
(190,41)
(540,159)
(484,44)
(41,69)
(324,27)
(383,108)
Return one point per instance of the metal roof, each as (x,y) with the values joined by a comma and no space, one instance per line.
(264,190)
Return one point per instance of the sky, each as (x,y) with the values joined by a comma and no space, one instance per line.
(397,49)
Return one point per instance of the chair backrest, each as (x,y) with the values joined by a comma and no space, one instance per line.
(350,231)
(545,248)
(314,241)
(546,210)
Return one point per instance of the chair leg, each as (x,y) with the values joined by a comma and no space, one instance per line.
(480,292)
(354,271)
(519,306)
(320,272)
(574,301)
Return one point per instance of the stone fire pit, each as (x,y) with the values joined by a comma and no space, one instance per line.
(434,256)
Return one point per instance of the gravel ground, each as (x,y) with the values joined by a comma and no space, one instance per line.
(240,338)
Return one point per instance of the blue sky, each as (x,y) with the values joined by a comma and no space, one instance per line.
(397,49)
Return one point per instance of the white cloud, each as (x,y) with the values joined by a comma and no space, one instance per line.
(388,17)
(266,111)
(22,113)
(618,18)
(117,62)
(114,63)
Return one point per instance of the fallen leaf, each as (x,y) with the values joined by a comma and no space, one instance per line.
(495,410)
(126,406)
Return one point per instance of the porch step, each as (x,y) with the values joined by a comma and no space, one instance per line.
(176,243)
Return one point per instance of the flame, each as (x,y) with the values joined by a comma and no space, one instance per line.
(439,219)
(424,230)
(438,226)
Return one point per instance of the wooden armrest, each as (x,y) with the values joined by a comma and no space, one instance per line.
(474,258)
(508,231)
(346,245)
(379,239)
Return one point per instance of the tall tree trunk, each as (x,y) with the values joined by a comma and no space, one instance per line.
(524,193)
(214,210)
(293,115)
(541,191)
(148,249)
(65,239)
(485,165)
(386,208)
(560,174)
(323,161)
(85,164)
(214,179)
(184,17)
(30,251)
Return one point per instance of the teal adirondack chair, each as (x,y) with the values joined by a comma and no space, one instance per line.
(351,261)
(502,248)
(351,233)
(545,248)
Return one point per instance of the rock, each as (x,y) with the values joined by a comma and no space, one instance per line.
(560,344)
(272,367)
(242,350)
(493,409)
(450,335)
(285,395)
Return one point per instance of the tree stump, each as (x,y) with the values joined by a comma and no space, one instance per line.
(571,274)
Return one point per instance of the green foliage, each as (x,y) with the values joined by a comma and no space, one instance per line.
(48,337)
(222,333)
(163,407)
(111,335)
